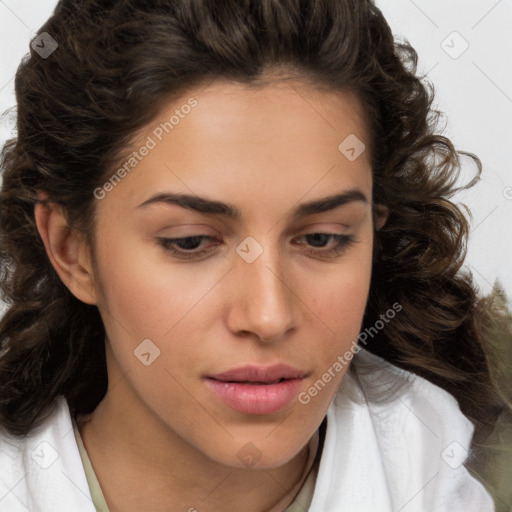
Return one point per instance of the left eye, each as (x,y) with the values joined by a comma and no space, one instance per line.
(185,247)
(341,243)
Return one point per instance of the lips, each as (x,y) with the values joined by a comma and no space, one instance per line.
(257,390)
(259,374)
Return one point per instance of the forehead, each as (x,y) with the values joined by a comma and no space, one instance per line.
(278,140)
(226,107)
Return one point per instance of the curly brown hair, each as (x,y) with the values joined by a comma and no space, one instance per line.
(116,63)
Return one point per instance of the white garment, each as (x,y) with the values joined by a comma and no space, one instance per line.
(394,443)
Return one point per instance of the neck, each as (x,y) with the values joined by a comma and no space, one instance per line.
(143,465)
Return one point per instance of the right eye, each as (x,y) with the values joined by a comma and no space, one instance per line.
(186,246)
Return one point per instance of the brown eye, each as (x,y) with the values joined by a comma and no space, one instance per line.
(186,246)
(341,243)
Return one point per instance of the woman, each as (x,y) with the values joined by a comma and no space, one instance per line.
(233,268)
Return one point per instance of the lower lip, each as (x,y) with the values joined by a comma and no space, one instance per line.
(256,398)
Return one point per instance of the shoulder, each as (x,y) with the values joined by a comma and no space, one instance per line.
(42,471)
(395,394)
(408,442)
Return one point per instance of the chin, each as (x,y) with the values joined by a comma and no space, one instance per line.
(258,455)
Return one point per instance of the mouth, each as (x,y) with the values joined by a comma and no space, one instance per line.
(255,382)
(257,390)
(259,374)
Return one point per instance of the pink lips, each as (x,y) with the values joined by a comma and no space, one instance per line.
(256,389)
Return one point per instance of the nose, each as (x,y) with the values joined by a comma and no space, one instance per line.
(262,302)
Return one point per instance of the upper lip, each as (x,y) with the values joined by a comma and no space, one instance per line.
(254,373)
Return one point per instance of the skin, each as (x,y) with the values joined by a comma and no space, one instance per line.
(160,440)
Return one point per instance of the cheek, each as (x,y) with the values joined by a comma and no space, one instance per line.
(339,295)
(339,302)
(342,295)
(144,293)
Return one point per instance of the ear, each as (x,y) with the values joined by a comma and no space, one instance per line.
(67,250)
(381,215)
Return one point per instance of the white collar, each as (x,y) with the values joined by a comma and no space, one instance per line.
(382,451)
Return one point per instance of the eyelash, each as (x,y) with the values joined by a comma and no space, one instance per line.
(342,243)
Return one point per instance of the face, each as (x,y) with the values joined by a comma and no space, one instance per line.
(208,302)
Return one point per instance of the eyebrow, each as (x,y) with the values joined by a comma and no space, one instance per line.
(229,210)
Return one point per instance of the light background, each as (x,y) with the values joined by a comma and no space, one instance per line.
(474,89)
